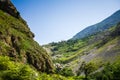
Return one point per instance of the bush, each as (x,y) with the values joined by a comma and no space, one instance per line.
(15,71)
(5,63)
(10,70)
(110,72)
(66,72)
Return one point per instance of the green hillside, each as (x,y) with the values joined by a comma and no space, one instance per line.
(22,58)
(95,57)
(96,50)
(16,40)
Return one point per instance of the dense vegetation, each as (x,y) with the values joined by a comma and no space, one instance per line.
(16,41)
(10,70)
(110,72)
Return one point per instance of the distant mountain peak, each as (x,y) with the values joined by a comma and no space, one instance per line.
(101,26)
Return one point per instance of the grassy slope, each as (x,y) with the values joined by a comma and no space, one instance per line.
(16,41)
(21,58)
(100,47)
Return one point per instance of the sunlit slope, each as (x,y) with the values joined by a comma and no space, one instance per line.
(16,40)
(99,27)
(100,48)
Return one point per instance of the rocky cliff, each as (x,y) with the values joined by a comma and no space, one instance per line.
(16,39)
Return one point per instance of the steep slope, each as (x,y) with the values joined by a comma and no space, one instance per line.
(8,7)
(16,40)
(99,48)
(103,25)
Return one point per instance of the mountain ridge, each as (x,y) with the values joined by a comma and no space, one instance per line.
(101,26)
(22,58)
(102,46)
(99,48)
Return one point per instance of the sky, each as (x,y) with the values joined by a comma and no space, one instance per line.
(57,20)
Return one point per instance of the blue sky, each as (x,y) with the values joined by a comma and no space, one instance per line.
(56,20)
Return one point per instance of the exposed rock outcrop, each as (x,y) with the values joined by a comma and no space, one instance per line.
(8,7)
(16,40)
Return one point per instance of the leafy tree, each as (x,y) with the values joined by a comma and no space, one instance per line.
(87,69)
(110,72)
(66,72)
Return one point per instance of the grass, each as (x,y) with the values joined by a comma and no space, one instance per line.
(17,41)
(105,47)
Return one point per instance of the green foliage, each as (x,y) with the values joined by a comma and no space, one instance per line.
(5,64)
(10,70)
(44,76)
(15,71)
(68,50)
(88,68)
(67,46)
(110,72)
(66,72)
(79,77)
(16,41)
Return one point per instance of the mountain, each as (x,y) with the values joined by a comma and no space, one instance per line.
(92,54)
(16,40)
(103,25)
(8,7)
(95,57)
(22,58)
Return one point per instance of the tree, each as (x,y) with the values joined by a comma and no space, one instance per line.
(87,69)
(66,72)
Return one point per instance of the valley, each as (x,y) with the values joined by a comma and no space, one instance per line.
(92,54)
(98,48)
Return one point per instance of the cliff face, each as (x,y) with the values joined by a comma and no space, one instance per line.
(16,39)
(8,7)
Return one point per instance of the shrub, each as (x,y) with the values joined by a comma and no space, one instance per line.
(10,70)
(15,71)
(66,72)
